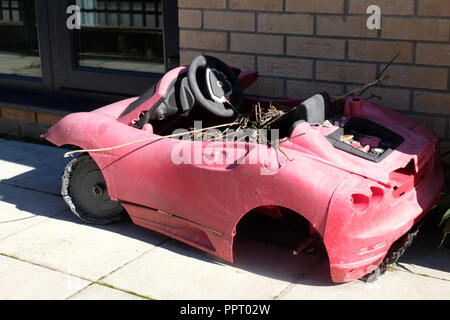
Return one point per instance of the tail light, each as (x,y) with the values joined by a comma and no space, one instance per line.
(361,202)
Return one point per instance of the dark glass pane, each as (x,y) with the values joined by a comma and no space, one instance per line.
(19,48)
(121,34)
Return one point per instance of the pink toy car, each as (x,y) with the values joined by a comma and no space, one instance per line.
(361,200)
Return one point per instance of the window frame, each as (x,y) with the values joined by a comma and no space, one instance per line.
(69,75)
(59,67)
(45,82)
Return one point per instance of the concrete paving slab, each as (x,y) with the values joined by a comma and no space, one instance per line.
(20,208)
(68,245)
(23,281)
(424,256)
(99,292)
(29,154)
(45,178)
(9,169)
(32,166)
(421,270)
(177,271)
(393,285)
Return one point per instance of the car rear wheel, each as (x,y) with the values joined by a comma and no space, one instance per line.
(84,190)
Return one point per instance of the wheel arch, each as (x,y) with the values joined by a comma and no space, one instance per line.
(319,229)
(83,130)
(91,214)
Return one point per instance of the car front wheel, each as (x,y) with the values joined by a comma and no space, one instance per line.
(84,190)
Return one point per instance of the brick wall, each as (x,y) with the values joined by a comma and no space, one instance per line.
(15,122)
(301,47)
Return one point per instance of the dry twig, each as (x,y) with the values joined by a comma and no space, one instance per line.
(377,80)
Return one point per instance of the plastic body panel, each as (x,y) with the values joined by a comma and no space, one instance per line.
(350,201)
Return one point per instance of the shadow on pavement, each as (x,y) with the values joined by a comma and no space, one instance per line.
(425,251)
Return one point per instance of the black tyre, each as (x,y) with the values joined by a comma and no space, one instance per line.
(84,190)
(394,254)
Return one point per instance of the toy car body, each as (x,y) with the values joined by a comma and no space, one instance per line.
(359,206)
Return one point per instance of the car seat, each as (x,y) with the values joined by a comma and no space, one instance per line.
(316,109)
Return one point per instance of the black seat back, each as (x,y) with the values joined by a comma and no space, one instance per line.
(316,109)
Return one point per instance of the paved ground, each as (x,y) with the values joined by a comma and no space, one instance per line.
(47,253)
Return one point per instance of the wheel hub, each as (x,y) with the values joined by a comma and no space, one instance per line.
(98,190)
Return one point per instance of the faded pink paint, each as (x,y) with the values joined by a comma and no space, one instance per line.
(349,201)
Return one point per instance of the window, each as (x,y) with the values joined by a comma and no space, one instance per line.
(122,35)
(19,48)
(122,48)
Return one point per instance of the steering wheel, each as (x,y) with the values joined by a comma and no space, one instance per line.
(221,83)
